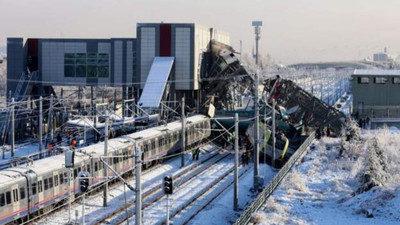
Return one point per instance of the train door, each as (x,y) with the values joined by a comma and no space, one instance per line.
(40,189)
(32,191)
(56,187)
(15,198)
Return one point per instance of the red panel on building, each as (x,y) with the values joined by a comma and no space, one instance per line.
(33,52)
(165,39)
(33,46)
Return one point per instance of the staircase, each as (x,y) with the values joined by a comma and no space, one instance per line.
(23,89)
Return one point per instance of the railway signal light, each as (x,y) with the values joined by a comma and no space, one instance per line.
(83,177)
(168,185)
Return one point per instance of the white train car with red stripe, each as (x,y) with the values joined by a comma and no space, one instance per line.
(31,190)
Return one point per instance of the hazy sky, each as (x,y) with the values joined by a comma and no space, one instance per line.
(293,31)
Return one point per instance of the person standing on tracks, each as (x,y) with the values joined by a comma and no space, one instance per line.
(59,139)
(195,154)
(247,157)
(243,158)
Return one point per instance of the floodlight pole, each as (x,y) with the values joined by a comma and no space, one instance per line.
(257,30)
(183,139)
(236,174)
(273,132)
(12,126)
(256,135)
(138,169)
(105,173)
(69,195)
(40,126)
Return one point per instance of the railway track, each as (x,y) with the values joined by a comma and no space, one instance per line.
(226,182)
(152,208)
(155,193)
(97,194)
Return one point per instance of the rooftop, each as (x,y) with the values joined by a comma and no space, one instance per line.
(377,72)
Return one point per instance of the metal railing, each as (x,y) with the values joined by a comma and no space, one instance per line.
(273,184)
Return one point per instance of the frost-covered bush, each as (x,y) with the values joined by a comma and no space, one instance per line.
(375,172)
(295,181)
(258,218)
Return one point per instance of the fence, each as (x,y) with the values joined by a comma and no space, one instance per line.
(273,184)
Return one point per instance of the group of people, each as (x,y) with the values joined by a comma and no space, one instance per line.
(320,132)
(363,122)
(73,143)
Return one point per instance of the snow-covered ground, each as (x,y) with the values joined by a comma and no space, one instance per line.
(325,187)
(221,209)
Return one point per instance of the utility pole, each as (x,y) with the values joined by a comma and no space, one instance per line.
(40,126)
(183,139)
(93,114)
(12,126)
(50,122)
(273,132)
(105,172)
(236,184)
(240,52)
(115,99)
(256,135)
(69,194)
(138,169)
(83,208)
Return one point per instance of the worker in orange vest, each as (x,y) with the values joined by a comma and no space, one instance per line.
(74,143)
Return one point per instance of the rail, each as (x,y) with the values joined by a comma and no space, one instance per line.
(263,195)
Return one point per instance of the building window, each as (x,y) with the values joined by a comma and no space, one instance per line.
(396,80)
(363,80)
(380,80)
(86,65)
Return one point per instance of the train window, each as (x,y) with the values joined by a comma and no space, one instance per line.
(96,168)
(34,188)
(8,197)
(50,182)
(88,168)
(46,184)
(55,180)
(15,195)
(40,185)
(61,178)
(75,173)
(153,144)
(22,193)
(79,169)
(2,200)
(160,142)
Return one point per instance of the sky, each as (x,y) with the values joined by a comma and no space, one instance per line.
(293,30)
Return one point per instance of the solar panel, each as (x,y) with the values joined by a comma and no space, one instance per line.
(156,80)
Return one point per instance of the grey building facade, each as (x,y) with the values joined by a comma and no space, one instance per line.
(72,62)
(376,93)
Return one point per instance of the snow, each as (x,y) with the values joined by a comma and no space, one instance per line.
(322,189)
(221,210)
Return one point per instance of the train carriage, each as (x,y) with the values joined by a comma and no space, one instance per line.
(29,190)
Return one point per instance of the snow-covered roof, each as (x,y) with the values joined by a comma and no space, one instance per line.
(377,72)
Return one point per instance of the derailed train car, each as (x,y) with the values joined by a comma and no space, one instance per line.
(29,190)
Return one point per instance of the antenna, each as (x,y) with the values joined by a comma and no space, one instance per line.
(257,30)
